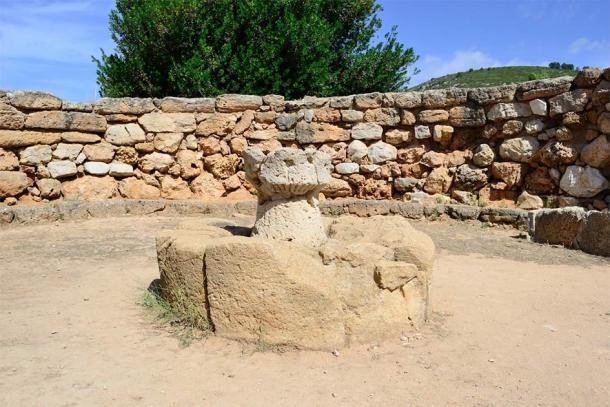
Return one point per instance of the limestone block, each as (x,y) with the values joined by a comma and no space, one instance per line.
(583,182)
(79,137)
(187,105)
(520,149)
(65,151)
(119,169)
(96,168)
(61,169)
(505,111)
(49,188)
(367,131)
(34,155)
(381,152)
(347,168)
(15,138)
(597,153)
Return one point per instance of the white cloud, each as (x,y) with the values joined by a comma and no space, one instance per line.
(583,44)
(432,66)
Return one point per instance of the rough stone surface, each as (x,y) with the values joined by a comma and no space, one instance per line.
(125,134)
(35,155)
(483,155)
(381,152)
(236,103)
(13,183)
(168,122)
(528,201)
(90,188)
(62,169)
(520,149)
(597,153)
(34,101)
(583,182)
(367,131)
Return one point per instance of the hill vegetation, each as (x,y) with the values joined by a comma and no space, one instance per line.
(495,76)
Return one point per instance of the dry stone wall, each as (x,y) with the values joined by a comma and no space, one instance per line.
(542,142)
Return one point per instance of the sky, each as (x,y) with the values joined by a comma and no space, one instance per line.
(48,44)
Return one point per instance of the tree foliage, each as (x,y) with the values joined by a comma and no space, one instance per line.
(291,47)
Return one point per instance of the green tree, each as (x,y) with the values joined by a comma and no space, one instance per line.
(290,47)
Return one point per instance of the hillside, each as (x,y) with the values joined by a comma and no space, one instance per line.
(493,76)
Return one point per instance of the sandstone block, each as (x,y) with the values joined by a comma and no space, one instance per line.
(156,162)
(10,118)
(34,101)
(8,160)
(396,136)
(574,101)
(262,135)
(134,188)
(103,152)
(187,105)
(13,183)
(543,88)
(219,124)
(79,137)
(407,100)
(392,275)
(316,133)
(509,173)
(352,116)
(494,94)
(54,120)
(438,181)
(174,188)
(368,100)
(461,116)
(443,134)
(588,77)
(597,153)
(133,106)
(558,226)
(556,153)
(385,116)
(439,98)
(168,122)
(125,134)
(207,187)
(337,188)
(49,188)
(221,166)
(603,122)
(528,202)
(432,116)
(167,142)
(89,188)
(407,118)
(237,103)
(483,156)
(91,122)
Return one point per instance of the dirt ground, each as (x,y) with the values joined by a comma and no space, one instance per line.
(514,323)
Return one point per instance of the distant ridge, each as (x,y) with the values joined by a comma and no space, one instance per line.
(493,76)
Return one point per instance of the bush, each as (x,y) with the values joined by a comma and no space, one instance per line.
(291,47)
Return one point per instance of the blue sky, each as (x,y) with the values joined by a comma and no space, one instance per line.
(47,44)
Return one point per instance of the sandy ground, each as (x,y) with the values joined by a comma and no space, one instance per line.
(514,323)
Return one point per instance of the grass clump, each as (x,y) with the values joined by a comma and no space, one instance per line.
(183,318)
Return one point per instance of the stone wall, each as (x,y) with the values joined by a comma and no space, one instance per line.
(500,146)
